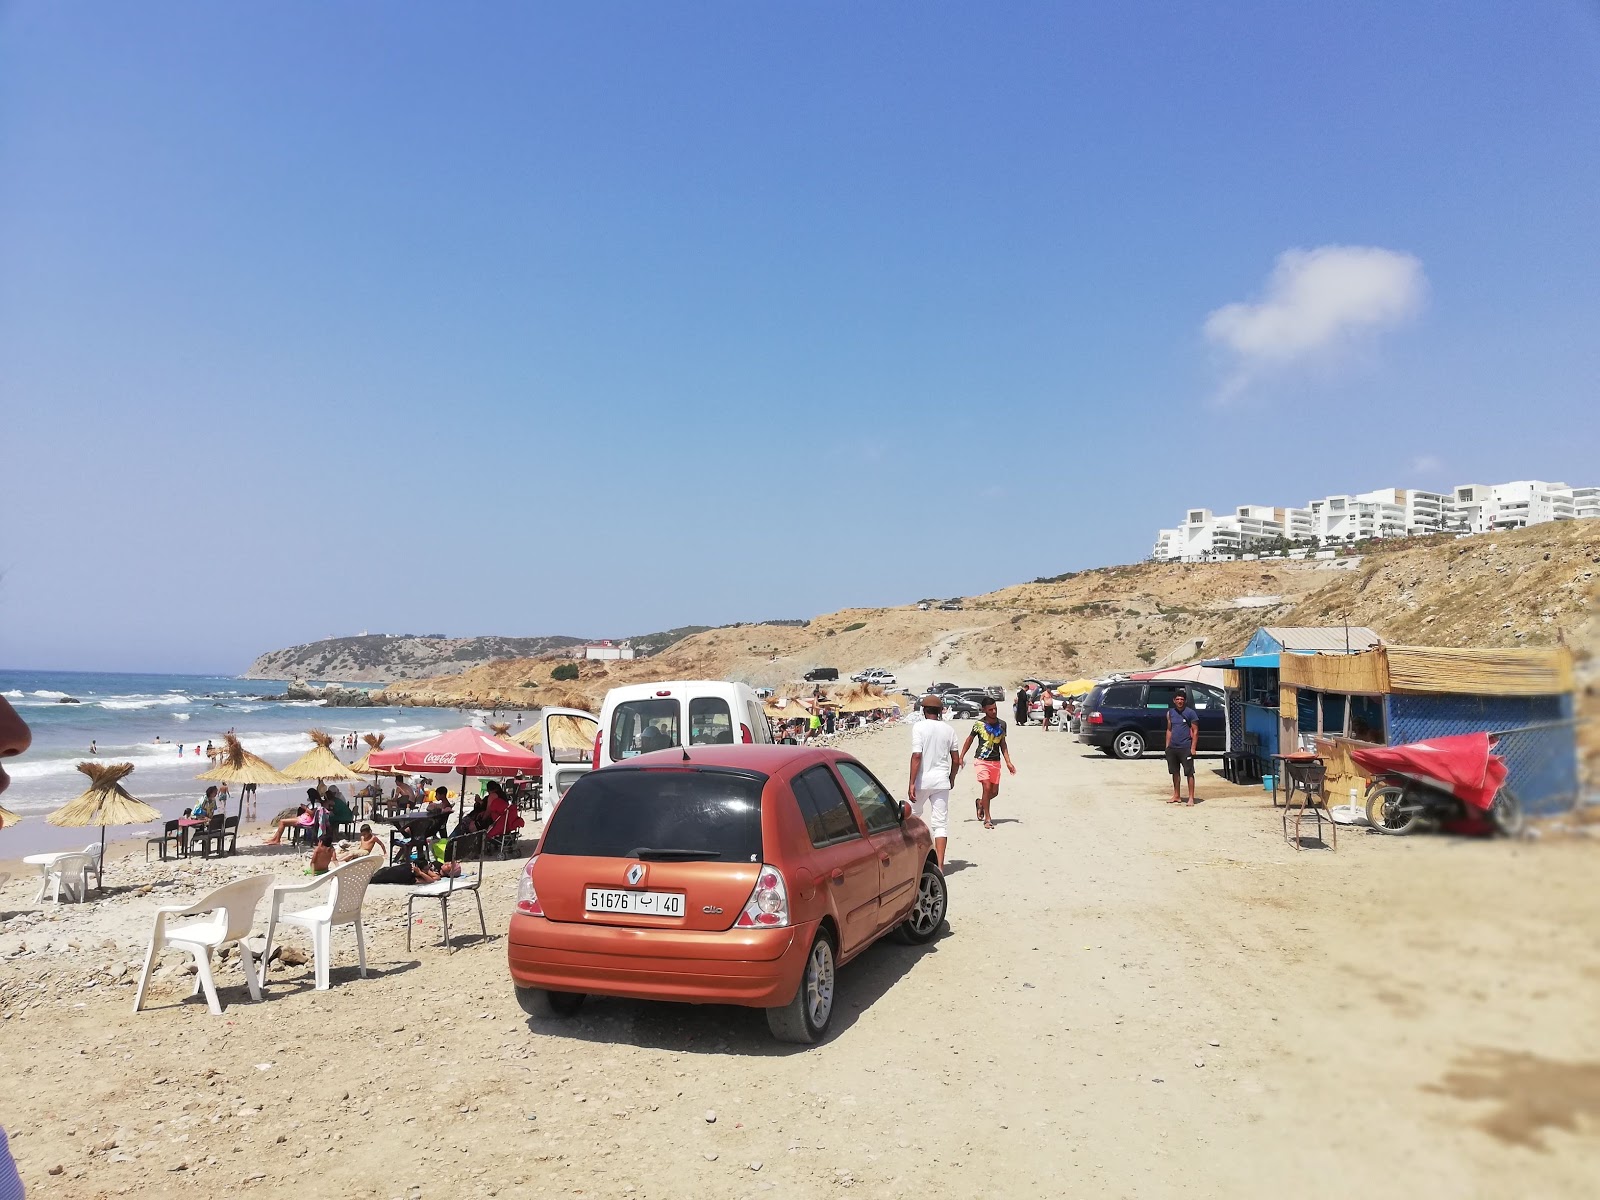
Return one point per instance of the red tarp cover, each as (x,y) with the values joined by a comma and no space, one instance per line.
(1460,765)
(469,751)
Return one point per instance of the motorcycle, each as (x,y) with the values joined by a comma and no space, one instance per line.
(1439,782)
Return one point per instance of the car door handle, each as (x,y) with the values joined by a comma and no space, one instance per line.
(883,856)
(838,876)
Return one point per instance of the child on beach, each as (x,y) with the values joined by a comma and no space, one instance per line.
(369,843)
(322,857)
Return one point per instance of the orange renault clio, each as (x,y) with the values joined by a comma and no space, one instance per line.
(721,875)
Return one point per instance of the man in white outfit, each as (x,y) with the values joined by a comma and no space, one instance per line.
(934,763)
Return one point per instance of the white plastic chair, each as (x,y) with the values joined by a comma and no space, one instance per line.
(442,889)
(232,912)
(65,873)
(92,852)
(348,886)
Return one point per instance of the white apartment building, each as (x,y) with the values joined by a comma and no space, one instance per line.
(1385,512)
(1515,505)
(1206,537)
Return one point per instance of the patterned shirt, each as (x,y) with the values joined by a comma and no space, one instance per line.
(990,739)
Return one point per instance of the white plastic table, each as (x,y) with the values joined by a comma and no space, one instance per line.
(44,862)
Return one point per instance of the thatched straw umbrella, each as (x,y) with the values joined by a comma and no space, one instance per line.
(319,762)
(501,729)
(7,817)
(374,741)
(106,802)
(238,765)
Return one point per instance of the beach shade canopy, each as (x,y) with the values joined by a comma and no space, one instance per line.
(319,762)
(868,703)
(1078,687)
(235,764)
(7,817)
(363,765)
(106,802)
(467,751)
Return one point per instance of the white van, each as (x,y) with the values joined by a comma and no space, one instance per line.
(697,712)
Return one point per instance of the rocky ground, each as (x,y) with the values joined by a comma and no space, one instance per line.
(1132,999)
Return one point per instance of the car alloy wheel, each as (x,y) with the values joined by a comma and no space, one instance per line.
(926,918)
(818,984)
(805,1018)
(1128,745)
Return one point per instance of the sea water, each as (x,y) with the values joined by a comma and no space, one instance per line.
(146,719)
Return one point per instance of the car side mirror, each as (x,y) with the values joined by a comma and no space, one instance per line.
(903,811)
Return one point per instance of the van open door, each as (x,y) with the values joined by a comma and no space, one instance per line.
(569,736)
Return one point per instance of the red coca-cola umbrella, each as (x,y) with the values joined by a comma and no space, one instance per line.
(466,751)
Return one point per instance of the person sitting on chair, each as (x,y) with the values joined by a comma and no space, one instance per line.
(504,819)
(301,819)
(207,808)
(477,819)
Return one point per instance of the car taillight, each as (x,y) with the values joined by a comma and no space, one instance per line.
(768,907)
(527,898)
(596,759)
(744,734)
(1095,718)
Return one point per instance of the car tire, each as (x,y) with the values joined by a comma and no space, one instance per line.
(804,1020)
(1128,744)
(537,1002)
(925,921)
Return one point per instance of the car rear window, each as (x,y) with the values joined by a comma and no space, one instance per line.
(1122,695)
(704,814)
(640,726)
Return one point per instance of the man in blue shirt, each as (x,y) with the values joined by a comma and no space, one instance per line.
(1183,727)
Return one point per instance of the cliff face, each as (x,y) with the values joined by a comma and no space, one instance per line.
(1529,588)
(381,657)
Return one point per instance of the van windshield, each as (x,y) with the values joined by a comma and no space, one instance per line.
(640,726)
(677,813)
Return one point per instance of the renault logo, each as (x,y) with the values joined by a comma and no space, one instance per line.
(635,873)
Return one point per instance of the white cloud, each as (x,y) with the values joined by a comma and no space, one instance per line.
(1317,303)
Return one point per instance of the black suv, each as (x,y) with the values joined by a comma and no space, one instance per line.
(1128,718)
(819,674)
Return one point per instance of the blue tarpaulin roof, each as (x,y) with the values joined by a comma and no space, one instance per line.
(1264,661)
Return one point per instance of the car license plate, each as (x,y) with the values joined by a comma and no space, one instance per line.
(650,904)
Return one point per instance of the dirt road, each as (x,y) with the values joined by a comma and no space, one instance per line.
(1132,1000)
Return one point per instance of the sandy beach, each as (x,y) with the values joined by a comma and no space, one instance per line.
(1132,999)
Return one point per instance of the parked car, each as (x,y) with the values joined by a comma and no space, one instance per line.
(861,676)
(821,674)
(939,689)
(643,717)
(1127,718)
(744,875)
(876,677)
(958,706)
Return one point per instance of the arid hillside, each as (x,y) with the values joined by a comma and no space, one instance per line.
(1532,587)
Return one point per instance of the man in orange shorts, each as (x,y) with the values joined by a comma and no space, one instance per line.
(990,734)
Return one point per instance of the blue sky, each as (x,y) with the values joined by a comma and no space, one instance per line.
(598,319)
